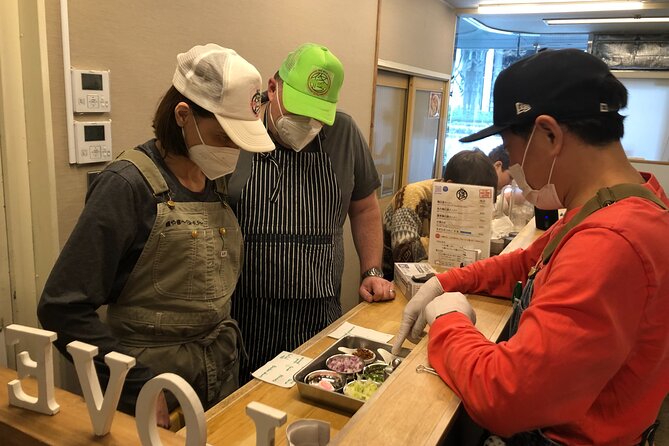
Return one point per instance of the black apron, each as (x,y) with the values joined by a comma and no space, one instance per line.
(289,211)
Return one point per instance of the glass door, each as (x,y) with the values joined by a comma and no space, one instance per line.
(389,128)
(409,124)
(425,124)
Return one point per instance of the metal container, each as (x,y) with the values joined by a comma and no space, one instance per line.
(373,385)
(377,370)
(337,399)
(356,361)
(337,380)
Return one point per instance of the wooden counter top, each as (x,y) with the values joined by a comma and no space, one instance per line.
(71,426)
(227,422)
(418,408)
(402,408)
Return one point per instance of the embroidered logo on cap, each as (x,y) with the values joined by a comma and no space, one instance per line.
(319,82)
(255,103)
(522,108)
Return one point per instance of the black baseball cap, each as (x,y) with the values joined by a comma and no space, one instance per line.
(564,84)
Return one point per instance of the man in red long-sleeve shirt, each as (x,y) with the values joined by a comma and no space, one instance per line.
(588,359)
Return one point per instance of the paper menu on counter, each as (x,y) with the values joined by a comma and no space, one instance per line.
(460,224)
(348,329)
(280,370)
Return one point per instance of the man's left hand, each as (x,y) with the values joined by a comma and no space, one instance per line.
(446,303)
(374,289)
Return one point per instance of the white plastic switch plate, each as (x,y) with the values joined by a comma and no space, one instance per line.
(92,141)
(90,91)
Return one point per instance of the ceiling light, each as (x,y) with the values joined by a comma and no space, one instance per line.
(607,20)
(516,7)
(542,2)
(472,21)
(483,27)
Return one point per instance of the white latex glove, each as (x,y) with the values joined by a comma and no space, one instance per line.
(447,303)
(413,318)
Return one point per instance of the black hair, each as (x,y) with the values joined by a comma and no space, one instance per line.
(499,153)
(597,130)
(165,126)
(471,167)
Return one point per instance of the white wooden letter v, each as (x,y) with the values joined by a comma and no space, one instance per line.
(101,409)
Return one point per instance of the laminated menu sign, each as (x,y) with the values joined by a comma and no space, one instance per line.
(280,370)
(460,224)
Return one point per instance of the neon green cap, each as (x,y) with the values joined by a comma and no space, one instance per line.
(312,77)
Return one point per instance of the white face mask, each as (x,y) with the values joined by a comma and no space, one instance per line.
(545,198)
(296,131)
(213,161)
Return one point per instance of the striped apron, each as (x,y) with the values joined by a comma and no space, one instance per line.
(290,212)
(173,313)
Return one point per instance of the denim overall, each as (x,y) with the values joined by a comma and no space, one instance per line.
(173,314)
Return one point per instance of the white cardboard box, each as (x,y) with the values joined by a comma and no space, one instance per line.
(404,273)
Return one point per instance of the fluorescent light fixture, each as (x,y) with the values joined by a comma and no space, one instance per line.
(538,2)
(538,7)
(472,21)
(475,23)
(607,20)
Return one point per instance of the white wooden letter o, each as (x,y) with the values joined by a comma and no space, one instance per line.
(145,410)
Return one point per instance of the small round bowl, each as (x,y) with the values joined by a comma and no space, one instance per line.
(361,389)
(375,371)
(336,380)
(345,364)
(365,354)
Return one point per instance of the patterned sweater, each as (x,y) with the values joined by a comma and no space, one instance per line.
(406,225)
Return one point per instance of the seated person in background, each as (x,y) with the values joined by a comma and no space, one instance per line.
(500,161)
(406,220)
(524,211)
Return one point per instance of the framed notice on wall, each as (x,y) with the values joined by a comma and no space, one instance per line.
(434,106)
(460,224)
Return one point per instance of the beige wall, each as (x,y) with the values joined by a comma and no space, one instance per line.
(420,33)
(138,42)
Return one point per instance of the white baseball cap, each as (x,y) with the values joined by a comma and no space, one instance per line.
(224,83)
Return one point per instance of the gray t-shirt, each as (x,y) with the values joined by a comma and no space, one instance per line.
(349,154)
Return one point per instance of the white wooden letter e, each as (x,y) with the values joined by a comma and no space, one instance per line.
(41,369)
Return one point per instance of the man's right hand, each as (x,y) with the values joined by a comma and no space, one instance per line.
(413,318)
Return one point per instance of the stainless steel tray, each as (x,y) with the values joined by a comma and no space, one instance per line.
(337,399)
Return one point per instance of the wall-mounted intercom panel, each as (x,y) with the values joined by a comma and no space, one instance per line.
(93,141)
(90,91)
